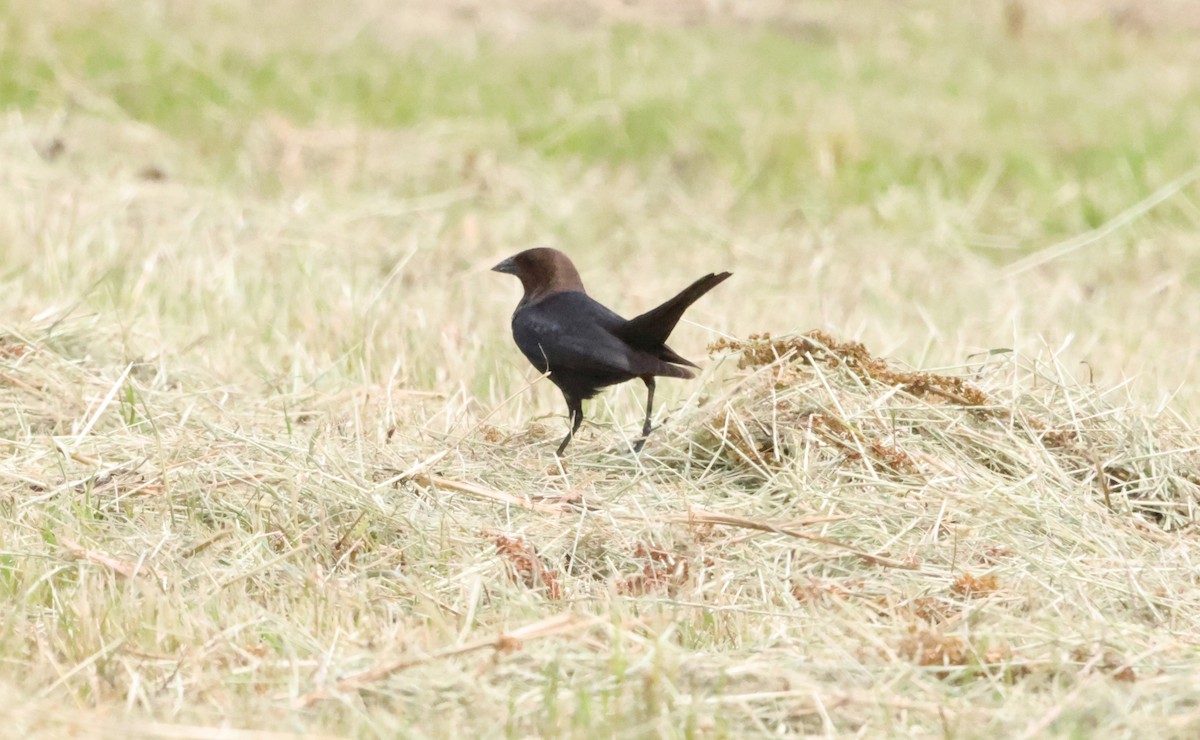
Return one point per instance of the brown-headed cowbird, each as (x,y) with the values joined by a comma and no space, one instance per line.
(585,346)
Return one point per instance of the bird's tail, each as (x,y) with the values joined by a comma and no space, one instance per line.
(665,370)
(651,329)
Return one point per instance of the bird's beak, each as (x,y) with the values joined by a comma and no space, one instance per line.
(507,266)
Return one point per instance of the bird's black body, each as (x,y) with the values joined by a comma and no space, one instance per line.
(585,346)
(575,339)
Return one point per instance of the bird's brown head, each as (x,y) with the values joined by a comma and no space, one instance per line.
(542,272)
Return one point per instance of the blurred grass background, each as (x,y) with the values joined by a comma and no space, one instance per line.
(1052,129)
(922,148)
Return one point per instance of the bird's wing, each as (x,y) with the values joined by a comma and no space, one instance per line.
(573,341)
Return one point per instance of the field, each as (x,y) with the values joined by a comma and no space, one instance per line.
(271,464)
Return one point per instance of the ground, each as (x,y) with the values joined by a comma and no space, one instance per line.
(272,463)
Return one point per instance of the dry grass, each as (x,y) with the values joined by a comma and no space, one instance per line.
(271,464)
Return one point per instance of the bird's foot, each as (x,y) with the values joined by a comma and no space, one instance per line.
(637,447)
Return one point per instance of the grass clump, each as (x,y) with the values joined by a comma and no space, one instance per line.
(818,399)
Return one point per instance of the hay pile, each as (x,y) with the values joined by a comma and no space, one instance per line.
(833,411)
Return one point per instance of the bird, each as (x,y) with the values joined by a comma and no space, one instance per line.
(584,346)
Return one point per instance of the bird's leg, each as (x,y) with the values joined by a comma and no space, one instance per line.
(649,410)
(575,413)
